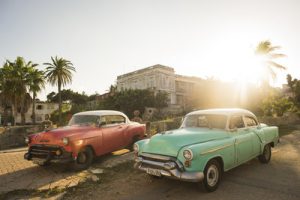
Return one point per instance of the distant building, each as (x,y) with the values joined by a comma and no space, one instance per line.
(41,109)
(161,78)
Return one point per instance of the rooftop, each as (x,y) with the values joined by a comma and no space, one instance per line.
(158,66)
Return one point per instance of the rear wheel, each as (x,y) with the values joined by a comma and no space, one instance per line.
(212,175)
(265,157)
(84,159)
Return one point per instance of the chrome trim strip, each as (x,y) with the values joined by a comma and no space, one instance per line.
(149,162)
(158,157)
(215,149)
(171,173)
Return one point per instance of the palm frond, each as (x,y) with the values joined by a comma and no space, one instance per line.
(276,65)
(276,55)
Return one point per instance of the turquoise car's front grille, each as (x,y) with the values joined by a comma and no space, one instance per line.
(161,159)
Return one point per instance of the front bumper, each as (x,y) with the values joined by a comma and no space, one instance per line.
(48,153)
(166,166)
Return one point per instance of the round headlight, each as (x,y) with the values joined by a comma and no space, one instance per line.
(188,154)
(136,148)
(27,140)
(65,141)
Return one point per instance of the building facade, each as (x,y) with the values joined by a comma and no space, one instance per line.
(41,110)
(161,78)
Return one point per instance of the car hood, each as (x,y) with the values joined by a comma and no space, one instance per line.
(55,136)
(170,142)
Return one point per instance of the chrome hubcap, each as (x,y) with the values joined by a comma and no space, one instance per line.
(212,175)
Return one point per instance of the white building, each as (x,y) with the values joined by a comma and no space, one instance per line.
(161,78)
(42,109)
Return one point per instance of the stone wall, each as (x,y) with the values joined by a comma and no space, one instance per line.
(291,119)
(13,137)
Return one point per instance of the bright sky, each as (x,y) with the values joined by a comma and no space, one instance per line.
(104,39)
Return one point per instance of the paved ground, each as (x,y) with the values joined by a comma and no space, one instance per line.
(19,174)
(278,180)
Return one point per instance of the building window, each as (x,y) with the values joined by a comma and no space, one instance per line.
(39,107)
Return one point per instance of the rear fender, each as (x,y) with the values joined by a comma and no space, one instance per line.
(268,135)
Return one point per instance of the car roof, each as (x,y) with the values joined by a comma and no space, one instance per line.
(223,111)
(101,113)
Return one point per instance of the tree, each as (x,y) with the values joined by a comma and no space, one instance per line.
(161,100)
(37,83)
(294,85)
(68,95)
(266,50)
(276,104)
(51,96)
(59,73)
(14,85)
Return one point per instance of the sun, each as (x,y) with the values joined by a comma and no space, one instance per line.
(242,66)
(250,69)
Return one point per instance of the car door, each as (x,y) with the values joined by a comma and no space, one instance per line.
(252,126)
(243,139)
(113,132)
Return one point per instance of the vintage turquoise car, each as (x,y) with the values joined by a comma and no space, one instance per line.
(208,143)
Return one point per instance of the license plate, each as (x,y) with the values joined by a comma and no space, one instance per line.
(154,172)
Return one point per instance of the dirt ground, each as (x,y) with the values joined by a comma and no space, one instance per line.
(280,179)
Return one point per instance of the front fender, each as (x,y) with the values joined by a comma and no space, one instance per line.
(203,152)
(141,143)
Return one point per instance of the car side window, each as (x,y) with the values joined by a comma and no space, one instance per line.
(236,122)
(250,121)
(102,120)
(115,119)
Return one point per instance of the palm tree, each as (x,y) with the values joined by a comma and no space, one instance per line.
(266,50)
(37,83)
(59,73)
(14,83)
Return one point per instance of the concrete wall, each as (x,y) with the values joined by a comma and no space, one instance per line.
(14,136)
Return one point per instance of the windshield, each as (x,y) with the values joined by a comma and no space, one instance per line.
(88,120)
(205,121)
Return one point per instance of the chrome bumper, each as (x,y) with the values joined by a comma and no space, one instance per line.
(168,169)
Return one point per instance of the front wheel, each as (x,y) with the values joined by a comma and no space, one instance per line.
(84,159)
(265,157)
(212,175)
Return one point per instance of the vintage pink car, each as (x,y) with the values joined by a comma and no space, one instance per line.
(88,134)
